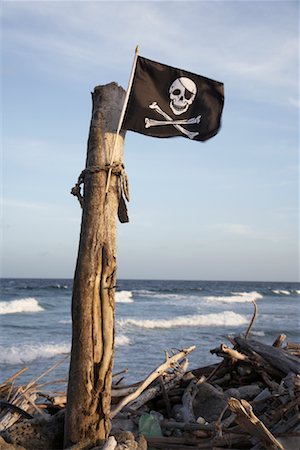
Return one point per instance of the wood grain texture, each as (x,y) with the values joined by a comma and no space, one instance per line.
(93,305)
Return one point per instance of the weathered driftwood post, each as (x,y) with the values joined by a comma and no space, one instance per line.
(93,308)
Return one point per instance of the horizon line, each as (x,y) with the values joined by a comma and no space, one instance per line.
(158,279)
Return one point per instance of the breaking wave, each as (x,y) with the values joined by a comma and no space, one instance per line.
(47,287)
(168,295)
(281,292)
(144,292)
(124,297)
(225,319)
(58,286)
(122,340)
(19,306)
(26,353)
(258,333)
(237,297)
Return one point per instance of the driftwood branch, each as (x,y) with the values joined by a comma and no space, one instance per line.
(152,392)
(250,423)
(275,357)
(170,362)
(188,397)
(252,320)
(165,396)
(279,340)
(234,355)
(110,444)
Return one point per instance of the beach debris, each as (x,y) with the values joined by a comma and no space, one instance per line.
(251,424)
(170,363)
(6,446)
(39,433)
(110,444)
(249,400)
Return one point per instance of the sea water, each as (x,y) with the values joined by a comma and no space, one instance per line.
(151,317)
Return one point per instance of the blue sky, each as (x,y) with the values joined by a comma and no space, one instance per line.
(226,209)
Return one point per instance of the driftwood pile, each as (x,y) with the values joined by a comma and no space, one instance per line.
(250,400)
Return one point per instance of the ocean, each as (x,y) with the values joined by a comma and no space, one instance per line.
(151,317)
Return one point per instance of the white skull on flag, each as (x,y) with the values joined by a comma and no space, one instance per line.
(182,94)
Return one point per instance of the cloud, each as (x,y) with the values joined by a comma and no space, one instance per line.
(82,34)
(294,102)
(240,230)
(10,203)
(247,232)
(57,213)
(243,42)
(287,214)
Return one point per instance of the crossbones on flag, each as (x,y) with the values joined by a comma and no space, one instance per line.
(166,102)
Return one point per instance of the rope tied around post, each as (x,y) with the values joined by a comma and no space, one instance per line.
(117,169)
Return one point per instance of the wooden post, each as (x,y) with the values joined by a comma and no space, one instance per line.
(93,307)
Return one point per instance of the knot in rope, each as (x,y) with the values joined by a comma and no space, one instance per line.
(116,168)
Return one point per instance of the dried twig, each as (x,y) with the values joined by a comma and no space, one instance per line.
(34,382)
(252,320)
(12,378)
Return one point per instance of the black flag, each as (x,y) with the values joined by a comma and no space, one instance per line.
(166,102)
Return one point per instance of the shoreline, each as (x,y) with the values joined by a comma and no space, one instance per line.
(254,383)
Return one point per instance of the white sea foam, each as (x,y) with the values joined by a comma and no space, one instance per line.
(19,306)
(237,297)
(144,292)
(65,321)
(297,291)
(161,295)
(280,292)
(226,318)
(61,286)
(124,297)
(172,296)
(258,333)
(122,340)
(168,295)
(26,353)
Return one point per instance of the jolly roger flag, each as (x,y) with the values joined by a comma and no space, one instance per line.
(166,102)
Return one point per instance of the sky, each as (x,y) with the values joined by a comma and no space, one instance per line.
(225,209)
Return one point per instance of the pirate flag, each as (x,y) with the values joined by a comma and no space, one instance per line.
(166,102)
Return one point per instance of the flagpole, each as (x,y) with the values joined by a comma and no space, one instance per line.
(122,116)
